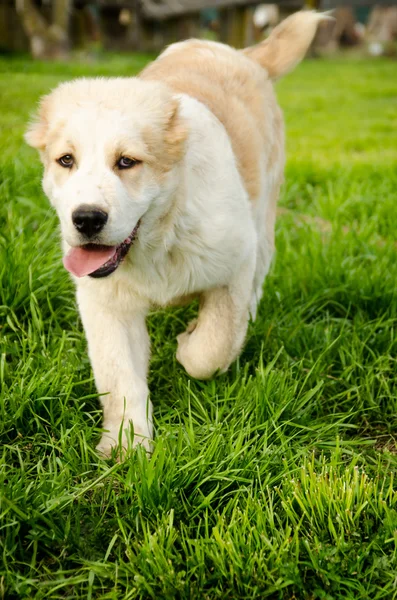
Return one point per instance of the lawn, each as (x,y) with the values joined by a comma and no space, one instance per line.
(275,480)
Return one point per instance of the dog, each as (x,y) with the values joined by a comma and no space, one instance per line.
(166,187)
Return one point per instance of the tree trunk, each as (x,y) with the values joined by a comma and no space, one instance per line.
(47,40)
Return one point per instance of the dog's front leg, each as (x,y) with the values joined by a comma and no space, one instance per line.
(118,345)
(214,340)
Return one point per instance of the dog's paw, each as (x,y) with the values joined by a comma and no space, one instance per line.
(110,441)
(194,355)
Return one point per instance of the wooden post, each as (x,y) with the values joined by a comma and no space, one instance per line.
(249,34)
(232,29)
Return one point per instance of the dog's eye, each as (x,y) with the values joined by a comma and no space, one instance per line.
(66,161)
(127,163)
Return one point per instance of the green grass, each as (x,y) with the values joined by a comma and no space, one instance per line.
(275,480)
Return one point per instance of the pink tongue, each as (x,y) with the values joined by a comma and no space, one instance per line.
(83,261)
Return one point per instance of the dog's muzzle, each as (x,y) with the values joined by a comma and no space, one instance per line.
(97,260)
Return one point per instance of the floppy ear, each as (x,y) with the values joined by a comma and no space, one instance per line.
(176,132)
(166,139)
(37,133)
(287,43)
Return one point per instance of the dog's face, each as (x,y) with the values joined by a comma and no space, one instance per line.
(109,148)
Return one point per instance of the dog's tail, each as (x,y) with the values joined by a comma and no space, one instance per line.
(287,43)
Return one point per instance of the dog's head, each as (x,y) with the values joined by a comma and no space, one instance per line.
(110,149)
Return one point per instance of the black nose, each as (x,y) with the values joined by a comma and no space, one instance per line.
(89,220)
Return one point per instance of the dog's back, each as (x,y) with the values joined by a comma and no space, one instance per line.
(236,87)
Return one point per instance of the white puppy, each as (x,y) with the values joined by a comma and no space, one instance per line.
(166,188)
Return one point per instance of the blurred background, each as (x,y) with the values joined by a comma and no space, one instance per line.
(55,29)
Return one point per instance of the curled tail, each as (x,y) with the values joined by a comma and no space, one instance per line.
(287,43)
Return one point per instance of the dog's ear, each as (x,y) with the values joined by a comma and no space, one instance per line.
(288,43)
(166,137)
(37,133)
(175,132)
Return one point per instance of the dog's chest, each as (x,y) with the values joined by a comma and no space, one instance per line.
(179,272)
